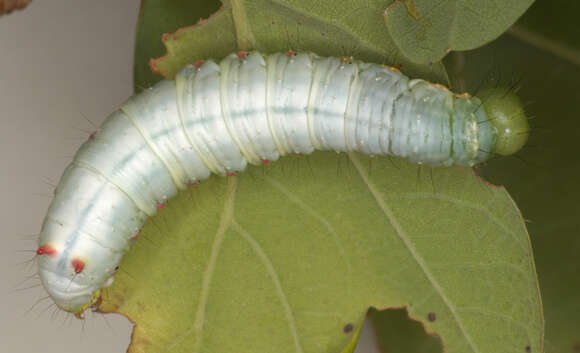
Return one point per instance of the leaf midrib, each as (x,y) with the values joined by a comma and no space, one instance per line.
(410,247)
(225,223)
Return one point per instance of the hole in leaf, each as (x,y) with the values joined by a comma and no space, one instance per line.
(396,332)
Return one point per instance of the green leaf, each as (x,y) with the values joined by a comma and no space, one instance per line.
(426,30)
(289,257)
(345,28)
(284,257)
(543,178)
(156,18)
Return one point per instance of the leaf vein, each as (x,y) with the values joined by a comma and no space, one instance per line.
(411,248)
(225,222)
(274,276)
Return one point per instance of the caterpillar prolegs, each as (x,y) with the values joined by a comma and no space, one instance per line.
(248,108)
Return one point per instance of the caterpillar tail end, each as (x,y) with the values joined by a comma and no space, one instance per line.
(506,114)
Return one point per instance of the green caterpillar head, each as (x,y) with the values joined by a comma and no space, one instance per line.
(506,114)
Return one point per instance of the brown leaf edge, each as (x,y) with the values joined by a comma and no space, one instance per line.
(174,36)
(7,6)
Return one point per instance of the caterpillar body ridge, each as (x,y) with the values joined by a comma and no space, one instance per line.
(248,108)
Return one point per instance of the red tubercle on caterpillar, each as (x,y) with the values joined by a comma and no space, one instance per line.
(395,67)
(461,95)
(161,206)
(345,60)
(291,53)
(92,135)
(198,64)
(242,54)
(440,86)
(78,265)
(266,162)
(192,184)
(231,174)
(135,236)
(46,249)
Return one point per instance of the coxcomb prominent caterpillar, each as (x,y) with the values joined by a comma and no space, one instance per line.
(248,108)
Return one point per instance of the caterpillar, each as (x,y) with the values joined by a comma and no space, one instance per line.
(248,108)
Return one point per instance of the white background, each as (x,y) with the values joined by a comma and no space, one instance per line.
(59,60)
(62,62)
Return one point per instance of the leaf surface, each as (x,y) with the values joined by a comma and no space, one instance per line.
(156,18)
(288,257)
(426,30)
(285,257)
(341,28)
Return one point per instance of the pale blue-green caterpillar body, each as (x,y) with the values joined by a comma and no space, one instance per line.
(248,108)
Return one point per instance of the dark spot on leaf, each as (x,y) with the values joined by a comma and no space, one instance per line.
(348,328)
(528,349)
(431,317)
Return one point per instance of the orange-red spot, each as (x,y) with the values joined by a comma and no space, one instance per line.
(161,206)
(345,60)
(242,54)
(395,67)
(134,236)
(231,174)
(290,53)
(266,162)
(192,184)
(78,265)
(79,315)
(198,64)
(462,95)
(46,250)
(92,135)
(438,85)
